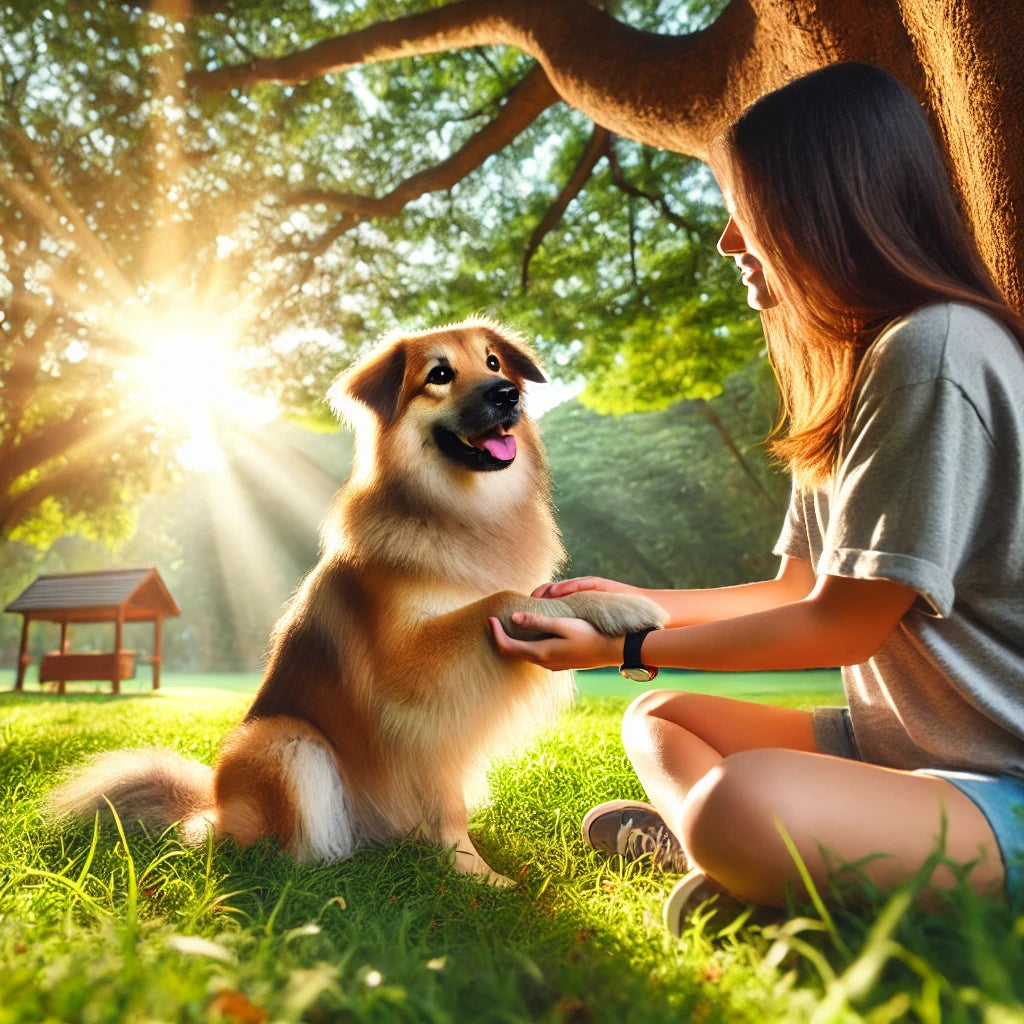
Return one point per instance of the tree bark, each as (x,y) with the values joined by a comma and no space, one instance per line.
(960,57)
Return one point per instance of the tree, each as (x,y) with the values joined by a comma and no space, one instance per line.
(675,92)
(136,277)
(155,235)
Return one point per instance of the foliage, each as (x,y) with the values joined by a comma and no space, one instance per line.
(660,500)
(158,252)
(105,926)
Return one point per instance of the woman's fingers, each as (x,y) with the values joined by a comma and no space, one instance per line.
(563,588)
(570,643)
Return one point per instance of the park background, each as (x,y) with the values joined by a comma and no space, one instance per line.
(208,209)
(184,277)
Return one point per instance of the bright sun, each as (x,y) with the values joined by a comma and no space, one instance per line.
(187,373)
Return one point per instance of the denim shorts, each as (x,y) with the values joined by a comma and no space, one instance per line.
(999,797)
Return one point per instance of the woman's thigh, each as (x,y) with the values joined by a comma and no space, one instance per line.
(726,725)
(837,813)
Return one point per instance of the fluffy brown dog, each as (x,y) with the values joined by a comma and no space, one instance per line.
(384,692)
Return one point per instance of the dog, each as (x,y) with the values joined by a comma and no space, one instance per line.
(384,694)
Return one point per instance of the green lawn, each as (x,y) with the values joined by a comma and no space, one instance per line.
(96,926)
(824,683)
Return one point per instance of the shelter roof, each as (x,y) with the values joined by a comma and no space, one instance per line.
(137,594)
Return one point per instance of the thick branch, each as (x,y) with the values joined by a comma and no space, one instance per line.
(597,146)
(673,92)
(50,441)
(454,26)
(616,74)
(525,103)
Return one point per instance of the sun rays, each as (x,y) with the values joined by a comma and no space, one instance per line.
(167,342)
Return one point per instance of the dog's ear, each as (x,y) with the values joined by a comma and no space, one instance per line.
(517,358)
(375,383)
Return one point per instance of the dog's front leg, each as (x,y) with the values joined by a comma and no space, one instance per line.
(455,837)
(469,862)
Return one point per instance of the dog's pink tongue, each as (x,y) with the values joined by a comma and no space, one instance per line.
(502,447)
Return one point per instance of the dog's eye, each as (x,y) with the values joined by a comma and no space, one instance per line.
(441,374)
(492,363)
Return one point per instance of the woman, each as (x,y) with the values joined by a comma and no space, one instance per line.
(902,556)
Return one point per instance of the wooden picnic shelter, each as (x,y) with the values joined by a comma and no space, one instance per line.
(112,595)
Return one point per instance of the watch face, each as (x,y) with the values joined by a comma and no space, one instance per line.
(638,674)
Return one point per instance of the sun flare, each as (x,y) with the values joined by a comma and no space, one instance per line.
(188,372)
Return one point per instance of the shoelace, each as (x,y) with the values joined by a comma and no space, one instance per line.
(655,840)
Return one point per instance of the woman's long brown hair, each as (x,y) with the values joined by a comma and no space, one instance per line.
(839,178)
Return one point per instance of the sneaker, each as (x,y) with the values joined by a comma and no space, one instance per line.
(633,830)
(693,889)
(723,915)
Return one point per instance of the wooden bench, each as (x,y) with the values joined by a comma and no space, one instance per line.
(62,668)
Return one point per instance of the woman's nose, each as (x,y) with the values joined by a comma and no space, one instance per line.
(732,241)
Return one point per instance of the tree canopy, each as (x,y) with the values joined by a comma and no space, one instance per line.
(202,201)
(171,250)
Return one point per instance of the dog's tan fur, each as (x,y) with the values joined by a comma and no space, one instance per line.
(384,693)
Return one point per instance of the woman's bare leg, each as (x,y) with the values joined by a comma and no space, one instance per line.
(724,774)
(674,739)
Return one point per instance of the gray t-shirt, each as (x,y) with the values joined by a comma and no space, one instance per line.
(929,492)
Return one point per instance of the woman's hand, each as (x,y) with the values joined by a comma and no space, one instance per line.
(563,588)
(574,643)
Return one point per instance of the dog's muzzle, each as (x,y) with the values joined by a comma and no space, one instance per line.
(480,439)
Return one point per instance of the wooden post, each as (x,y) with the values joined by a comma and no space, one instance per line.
(62,686)
(158,634)
(23,659)
(118,638)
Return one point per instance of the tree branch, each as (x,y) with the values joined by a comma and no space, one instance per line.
(615,74)
(659,202)
(715,420)
(78,233)
(673,92)
(596,147)
(531,97)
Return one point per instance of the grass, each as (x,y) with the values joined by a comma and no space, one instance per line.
(108,926)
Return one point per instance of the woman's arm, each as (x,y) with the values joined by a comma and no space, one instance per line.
(840,622)
(688,607)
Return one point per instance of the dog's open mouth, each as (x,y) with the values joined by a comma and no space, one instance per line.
(495,449)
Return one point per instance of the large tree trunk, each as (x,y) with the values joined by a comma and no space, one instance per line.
(961,57)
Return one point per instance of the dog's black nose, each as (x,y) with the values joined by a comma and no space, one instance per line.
(504,395)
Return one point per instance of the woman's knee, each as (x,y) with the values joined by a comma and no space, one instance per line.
(732,812)
(650,707)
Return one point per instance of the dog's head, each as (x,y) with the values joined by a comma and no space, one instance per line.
(455,390)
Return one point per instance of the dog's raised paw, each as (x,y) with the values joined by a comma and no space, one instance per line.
(616,614)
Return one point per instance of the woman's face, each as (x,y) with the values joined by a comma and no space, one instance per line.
(735,245)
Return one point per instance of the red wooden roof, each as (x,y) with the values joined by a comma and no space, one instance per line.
(137,594)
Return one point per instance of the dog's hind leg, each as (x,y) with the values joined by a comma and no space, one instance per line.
(453,836)
(277,776)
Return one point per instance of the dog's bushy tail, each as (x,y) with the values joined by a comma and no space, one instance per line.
(155,786)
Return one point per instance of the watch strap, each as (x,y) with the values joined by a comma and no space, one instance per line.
(632,645)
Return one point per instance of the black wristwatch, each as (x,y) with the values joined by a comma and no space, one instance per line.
(632,667)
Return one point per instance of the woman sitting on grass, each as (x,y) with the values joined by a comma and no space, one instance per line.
(902,554)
